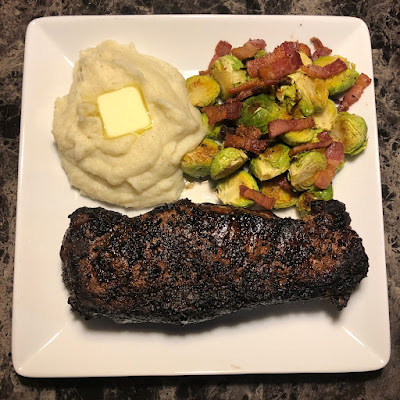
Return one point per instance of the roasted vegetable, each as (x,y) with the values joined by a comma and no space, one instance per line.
(203,90)
(312,93)
(212,130)
(325,118)
(296,138)
(273,162)
(351,130)
(259,110)
(304,200)
(228,189)
(341,82)
(197,162)
(226,162)
(284,198)
(304,169)
(229,72)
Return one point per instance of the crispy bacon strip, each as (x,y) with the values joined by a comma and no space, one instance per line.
(283,182)
(303,48)
(258,197)
(316,71)
(225,130)
(248,131)
(320,49)
(285,50)
(334,156)
(245,143)
(280,68)
(249,49)
(323,143)
(354,92)
(223,48)
(279,126)
(223,111)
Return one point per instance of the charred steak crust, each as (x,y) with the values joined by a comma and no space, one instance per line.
(185,263)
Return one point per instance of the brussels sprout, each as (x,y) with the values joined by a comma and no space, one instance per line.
(287,96)
(305,59)
(338,83)
(228,189)
(312,92)
(226,162)
(259,110)
(304,200)
(296,138)
(283,198)
(304,169)
(351,130)
(212,130)
(228,72)
(324,119)
(203,90)
(273,162)
(260,53)
(197,162)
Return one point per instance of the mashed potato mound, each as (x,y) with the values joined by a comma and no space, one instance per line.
(133,170)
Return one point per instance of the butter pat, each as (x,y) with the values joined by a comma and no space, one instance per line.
(123,111)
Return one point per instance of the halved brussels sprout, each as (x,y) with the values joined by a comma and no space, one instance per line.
(304,169)
(351,130)
(324,119)
(304,200)
(338,83)
(259,110)
(203,90)
(228,189)
(312,92)
(226,162)
(212,130)
(197,163)
(273,162)
(287,96)
(283,198)
(296,138)
(260,53)
(228,72)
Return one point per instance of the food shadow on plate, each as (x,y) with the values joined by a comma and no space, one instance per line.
(231,320)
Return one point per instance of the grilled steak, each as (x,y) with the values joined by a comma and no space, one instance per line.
(185,263)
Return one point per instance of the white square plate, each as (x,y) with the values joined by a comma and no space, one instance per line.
(49,341)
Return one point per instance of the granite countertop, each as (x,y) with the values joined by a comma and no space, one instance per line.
(382,19)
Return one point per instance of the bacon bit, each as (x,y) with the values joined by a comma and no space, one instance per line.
(245,143)
(250,88)
(283,182)
(258,197)
(279,126)
(316,71)
(320,49)
(249,49)
(303,48)
(334,156)
(280,68)
(223,48)
(248,85)
(248,131)
(223,111)
(285,50)
(310,146)
(324,135)
(354,92)
(225,130)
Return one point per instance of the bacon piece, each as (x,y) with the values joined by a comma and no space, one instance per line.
(250,88)
(249,49)
(250,85)
(334,156)
(310,146)
(316,71)
(258,197)
(248,131)
(283,182)
(223,48)
(285,50)
(225,130)
(245,143)
(320,49)
(354,92)
(223,111)
(280,68)
(303,48)
(279,126)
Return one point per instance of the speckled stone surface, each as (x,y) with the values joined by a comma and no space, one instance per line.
(382,19)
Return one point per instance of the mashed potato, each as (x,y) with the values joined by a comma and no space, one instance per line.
(132,170)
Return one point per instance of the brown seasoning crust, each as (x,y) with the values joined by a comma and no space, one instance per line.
(187,263)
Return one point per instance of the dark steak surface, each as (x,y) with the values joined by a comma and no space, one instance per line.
(186,263)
